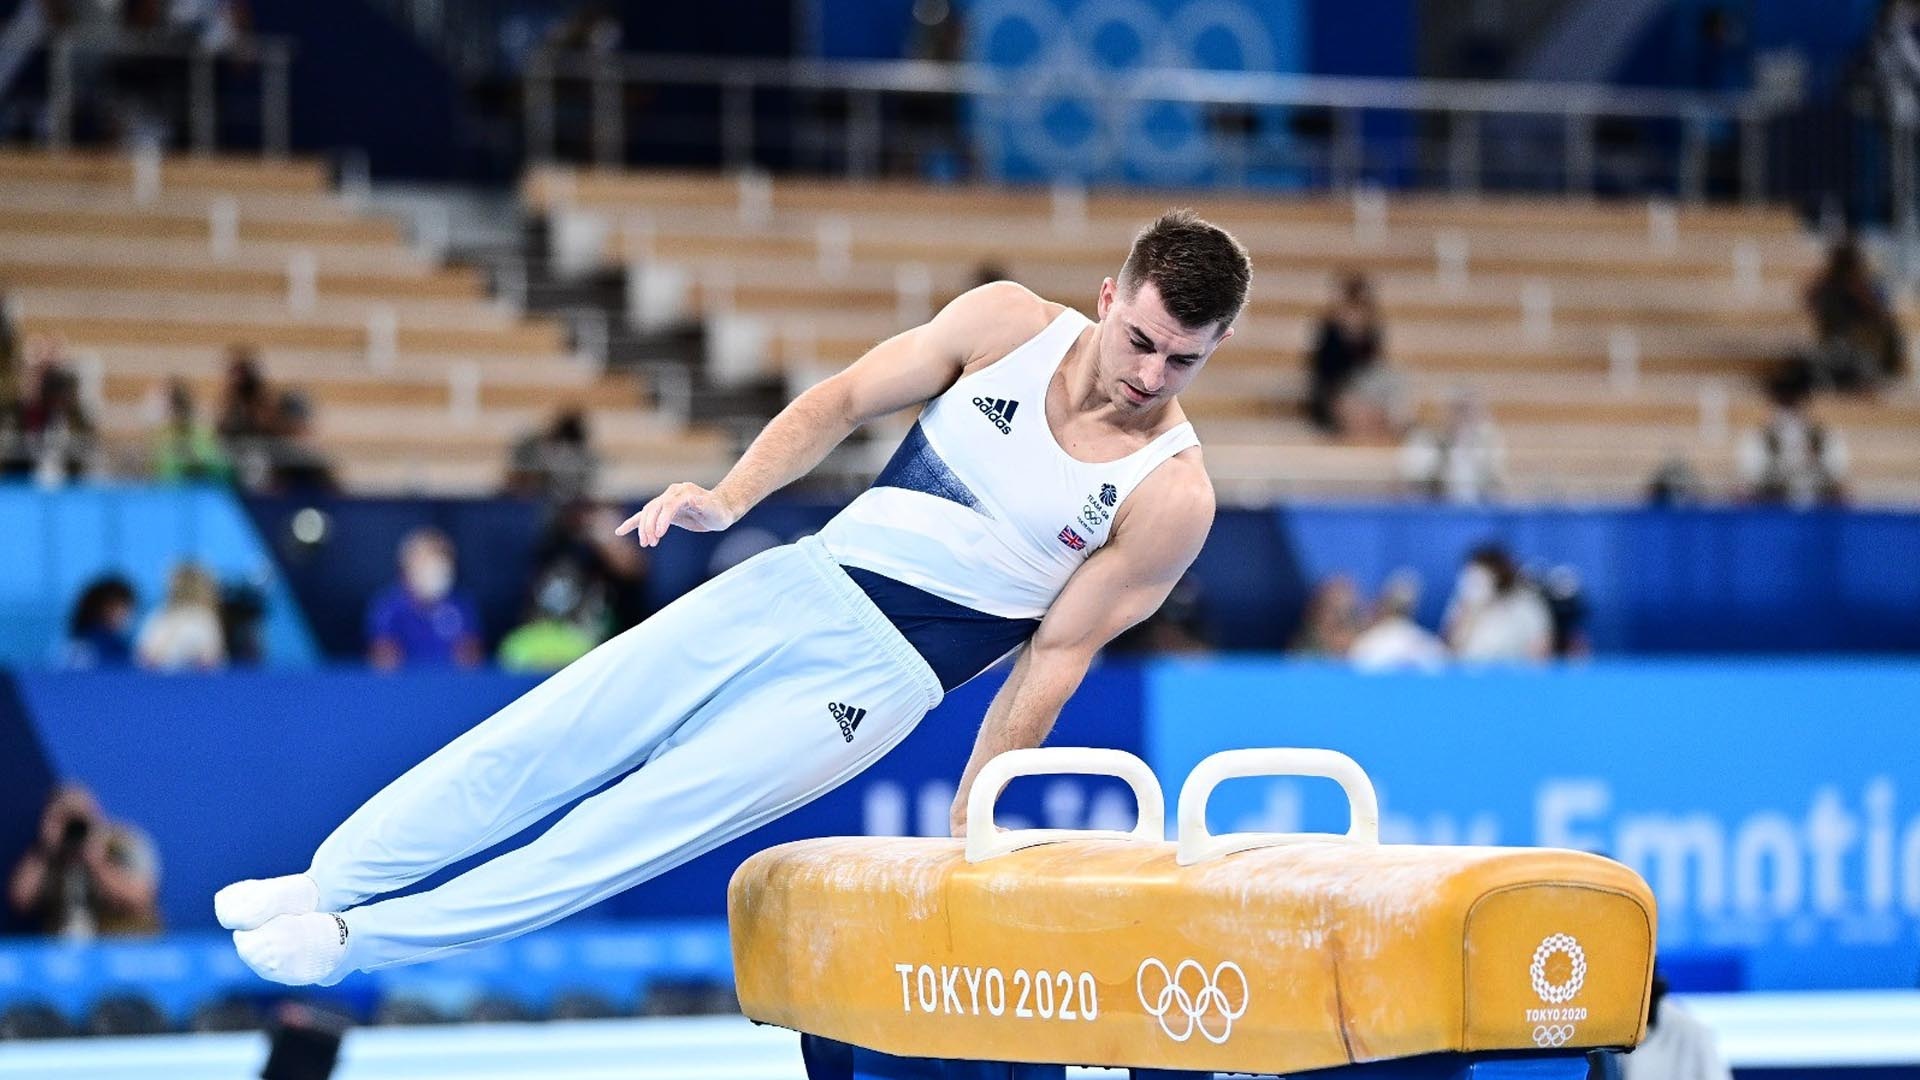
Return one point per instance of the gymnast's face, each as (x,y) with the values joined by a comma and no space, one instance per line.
(1144,356)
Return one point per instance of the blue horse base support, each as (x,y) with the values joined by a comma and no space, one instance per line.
(827,1059)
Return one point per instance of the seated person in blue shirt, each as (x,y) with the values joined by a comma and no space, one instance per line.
(421,620)
(100,628)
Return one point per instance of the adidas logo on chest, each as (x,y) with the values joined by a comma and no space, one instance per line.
(998,410)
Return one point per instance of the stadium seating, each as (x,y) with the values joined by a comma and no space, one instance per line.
(420,381)
(1604,337)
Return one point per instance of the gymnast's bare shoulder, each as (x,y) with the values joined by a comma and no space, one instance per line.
(997,318)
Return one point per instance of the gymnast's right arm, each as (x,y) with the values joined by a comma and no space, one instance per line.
(911,367)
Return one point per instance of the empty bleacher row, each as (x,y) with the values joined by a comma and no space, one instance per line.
(145,271)
(1605,339)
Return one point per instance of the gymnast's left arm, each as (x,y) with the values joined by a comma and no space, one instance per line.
(1156,537)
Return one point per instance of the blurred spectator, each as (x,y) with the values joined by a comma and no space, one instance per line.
(1466,463)
(1350,393)
(185,634)
(1496,614)
(1793,460)
(11,389)
(188,450)
(612,575)
(247,407)
(421,620)
(556,463)
(95,108)
(86,874)
(1675,483)
(984,272)
(126,1013)
(737,546)
(242,608)
(212,24)
(592,28)
(1485,48)
(1394,641)
(1857,341)
(100,628)
(398,1011)
(521,33)
(294,463)
(498,1008)
(1331,621)
(60,434)
(583,1005)
(248,418)
(1567,604)
(31,1019)
(933,145)
(1720,62)
(550,639)
(1678,1046)
(52,437)
(1894,57)
(235,1012)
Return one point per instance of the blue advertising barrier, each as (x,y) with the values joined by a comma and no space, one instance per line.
(1773,807)
(242,775)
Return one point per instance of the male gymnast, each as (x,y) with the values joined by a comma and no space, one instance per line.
(1049,497)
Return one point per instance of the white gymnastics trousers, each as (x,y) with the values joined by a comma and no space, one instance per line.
(753,694)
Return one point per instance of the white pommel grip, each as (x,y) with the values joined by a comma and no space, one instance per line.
(1198,845)
(984,840)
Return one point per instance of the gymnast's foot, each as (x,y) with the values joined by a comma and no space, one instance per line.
(245,905)
(297,950)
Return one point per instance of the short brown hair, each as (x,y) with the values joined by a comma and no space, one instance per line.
(1201,271)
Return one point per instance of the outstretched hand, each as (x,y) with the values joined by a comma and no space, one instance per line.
(689,506)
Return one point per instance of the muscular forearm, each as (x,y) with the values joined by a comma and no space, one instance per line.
(1024,711)
(792,443)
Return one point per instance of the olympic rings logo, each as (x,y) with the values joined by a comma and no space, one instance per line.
(1552,1035)
(1558,993)
(1067,66)
(1185,1005)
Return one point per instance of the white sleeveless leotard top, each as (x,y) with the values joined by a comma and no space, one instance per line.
(980,505)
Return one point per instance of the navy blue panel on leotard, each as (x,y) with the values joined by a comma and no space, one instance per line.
(956,641)
(915,466)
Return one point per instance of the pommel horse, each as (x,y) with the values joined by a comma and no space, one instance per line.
(1017,953)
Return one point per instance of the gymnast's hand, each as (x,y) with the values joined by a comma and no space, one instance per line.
(689,506)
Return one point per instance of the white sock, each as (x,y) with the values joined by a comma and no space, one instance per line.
(297,950)
(245,905)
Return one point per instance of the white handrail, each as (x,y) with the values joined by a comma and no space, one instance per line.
(1198,845)
(985,840)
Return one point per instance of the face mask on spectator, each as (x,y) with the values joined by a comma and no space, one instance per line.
(430,577)
(558,597)
(1475,586)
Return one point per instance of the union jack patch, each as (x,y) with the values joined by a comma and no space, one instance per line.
(1072,539)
